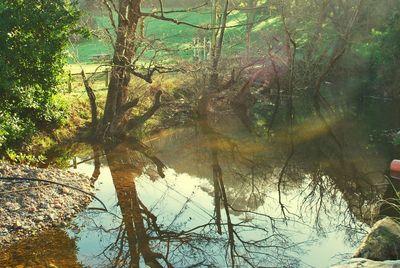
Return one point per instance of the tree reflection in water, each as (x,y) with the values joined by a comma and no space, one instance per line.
(245,181)
(217,196)
(230,198)
(143,237)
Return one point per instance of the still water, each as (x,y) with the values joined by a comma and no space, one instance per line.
(300,192)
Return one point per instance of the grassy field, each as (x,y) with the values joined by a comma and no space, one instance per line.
(88,68)
(177,39)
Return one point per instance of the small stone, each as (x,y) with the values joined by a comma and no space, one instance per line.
(13,206)
(32,209)
(33,194)
(17,224)
(65,190)
(52,216)
(44,205)
(62,224)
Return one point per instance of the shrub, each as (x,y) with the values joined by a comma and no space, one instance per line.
(33,37)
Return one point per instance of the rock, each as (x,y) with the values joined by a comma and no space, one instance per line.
(33,194)
(360,262)
(57,206)
(31,209)
(65,190)
(382,243)
(26,227)
(62,224)
(13,206)
(52,216)
(17,224)
(44,205)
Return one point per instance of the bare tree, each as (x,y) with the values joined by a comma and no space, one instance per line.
(328,35)
(218,25)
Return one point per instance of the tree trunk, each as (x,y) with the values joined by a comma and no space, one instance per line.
(92,100)
(250,20)
(217,40)
(117,96)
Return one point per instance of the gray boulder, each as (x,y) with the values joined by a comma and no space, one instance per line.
(382,243)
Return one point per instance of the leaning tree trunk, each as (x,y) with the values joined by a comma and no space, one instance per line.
(117,97)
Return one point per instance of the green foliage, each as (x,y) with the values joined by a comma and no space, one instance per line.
(33,37)
(386,50)
(396,139)
(13,128)
(22,158)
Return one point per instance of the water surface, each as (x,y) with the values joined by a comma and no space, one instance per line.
(295,193)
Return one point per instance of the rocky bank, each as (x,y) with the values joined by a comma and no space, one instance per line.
(27,207)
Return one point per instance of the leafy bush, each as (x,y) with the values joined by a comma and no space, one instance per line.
(13,129)
(22,158)
(386,52)
(396,139)
(33,37)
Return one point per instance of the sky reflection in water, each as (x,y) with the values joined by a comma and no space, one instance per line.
(301,218)
(216,194)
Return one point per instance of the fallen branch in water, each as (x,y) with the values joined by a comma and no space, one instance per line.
(20,180)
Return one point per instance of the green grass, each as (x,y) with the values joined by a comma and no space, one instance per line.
(176,38)
(85,50)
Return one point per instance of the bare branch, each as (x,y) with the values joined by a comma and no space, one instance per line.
(127,106)
(135,122)
(110,13)
(178,22)
(92,99)
(180,10)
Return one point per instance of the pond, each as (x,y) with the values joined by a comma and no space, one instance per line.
(300,192)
